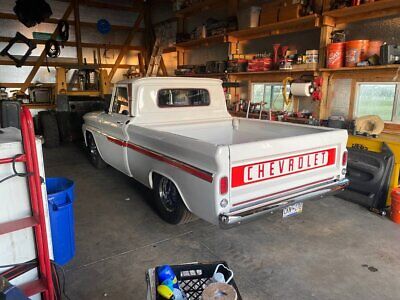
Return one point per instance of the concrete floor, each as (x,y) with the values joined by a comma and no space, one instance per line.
(334,250)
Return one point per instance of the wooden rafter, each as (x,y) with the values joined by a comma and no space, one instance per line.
(78,39)
(42,56)
(84,45)
(124,50)
(9,16)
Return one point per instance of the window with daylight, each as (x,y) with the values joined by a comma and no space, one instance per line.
(380,99)
(270,95)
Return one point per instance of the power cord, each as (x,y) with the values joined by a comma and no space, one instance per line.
(18,269)
(16,173)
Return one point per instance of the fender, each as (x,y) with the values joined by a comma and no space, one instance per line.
(155,172)
(86,130)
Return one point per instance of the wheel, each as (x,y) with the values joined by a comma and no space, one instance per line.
(49,125)
(168,202)
(93,152)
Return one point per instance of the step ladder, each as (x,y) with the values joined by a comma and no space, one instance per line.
(155,59)
(37,221)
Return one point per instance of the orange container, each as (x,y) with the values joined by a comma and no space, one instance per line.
(335,54)
(395,209)
(356,51)
(374,47)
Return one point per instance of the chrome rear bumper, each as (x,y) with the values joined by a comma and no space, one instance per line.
(327,189)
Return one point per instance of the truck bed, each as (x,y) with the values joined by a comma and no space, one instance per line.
(239,131)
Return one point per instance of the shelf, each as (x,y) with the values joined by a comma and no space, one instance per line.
(284,27)
(200,42)
(204,75)
(361,69)
(273,72)
(373,10)
(199,7)
(169,50)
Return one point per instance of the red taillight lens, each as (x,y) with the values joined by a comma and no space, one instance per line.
(344,158)
(223,185)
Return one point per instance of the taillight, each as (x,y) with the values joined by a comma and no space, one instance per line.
(344,158)
(223,185)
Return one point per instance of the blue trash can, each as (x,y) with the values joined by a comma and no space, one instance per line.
(60,195)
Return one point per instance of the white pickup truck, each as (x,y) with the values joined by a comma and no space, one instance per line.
(175,136)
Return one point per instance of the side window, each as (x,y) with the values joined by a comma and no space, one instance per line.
(380,98)
(121,101)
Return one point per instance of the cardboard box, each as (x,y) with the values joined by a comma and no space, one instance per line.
(270,12)
(290,11)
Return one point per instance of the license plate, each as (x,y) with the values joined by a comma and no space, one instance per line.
(293,210)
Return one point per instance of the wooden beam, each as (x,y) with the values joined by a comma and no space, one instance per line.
(163,67)
(84,45)
(141,66)
(68,65)
(123,51)
(78,38)
(8,16)
(42,56)
(136,7)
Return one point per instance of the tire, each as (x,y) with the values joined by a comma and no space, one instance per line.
(64,126)
(49,125)
(168,202)
(93,152)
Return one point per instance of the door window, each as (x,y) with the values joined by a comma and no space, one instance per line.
(121,101)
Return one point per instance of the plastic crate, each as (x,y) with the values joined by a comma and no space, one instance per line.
(192,278)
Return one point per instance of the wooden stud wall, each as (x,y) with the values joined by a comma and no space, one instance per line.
(137,7)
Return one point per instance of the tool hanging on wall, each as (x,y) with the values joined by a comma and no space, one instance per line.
(63,30)
(103,26)
(32,12)
(17,39)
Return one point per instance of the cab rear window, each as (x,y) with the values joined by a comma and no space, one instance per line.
(183,97)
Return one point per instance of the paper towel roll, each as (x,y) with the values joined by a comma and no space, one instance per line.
(303,89)
(219,291)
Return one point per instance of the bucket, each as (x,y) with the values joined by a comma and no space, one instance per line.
(335,55)
(395,209)
(356,51)
(60,195)
(374,47)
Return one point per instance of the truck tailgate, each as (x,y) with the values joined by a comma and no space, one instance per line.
(264,170)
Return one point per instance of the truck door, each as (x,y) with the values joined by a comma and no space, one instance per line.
(114,125)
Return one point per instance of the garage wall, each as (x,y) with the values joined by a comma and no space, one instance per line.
(8,28)
(386,30)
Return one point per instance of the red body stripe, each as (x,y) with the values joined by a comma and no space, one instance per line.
(173,162)
(238,172)
(281,192)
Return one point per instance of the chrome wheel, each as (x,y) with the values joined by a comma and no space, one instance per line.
(168,194)
(93,152)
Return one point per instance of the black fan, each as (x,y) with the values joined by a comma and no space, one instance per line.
(32,12)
